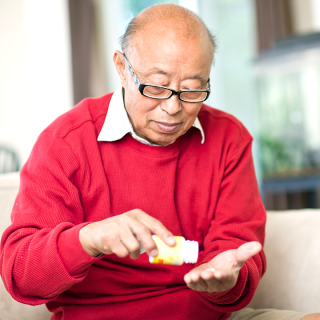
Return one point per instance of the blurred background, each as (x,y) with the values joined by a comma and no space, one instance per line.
(54,53)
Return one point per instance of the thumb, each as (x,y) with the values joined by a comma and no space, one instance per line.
(246,251)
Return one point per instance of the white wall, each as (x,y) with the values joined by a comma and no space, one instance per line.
(35,69)
(306,16)
(112,18)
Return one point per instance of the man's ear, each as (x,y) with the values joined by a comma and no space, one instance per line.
(120,65)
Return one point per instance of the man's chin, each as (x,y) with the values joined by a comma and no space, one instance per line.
(162,143)
(162,140)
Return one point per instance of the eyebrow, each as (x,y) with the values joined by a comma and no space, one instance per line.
(159,71)
(200,77)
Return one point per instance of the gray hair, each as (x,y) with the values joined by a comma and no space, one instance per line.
(133,27)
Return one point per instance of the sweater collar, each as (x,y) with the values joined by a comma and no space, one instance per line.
(117,123)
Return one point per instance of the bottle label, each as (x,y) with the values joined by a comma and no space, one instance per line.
(168,255)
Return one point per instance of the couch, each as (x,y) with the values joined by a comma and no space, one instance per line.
(9,308)
(292,248)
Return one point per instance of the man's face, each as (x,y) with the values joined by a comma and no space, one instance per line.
(173,62)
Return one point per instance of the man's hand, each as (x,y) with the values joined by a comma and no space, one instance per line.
(221,273)
(120,234)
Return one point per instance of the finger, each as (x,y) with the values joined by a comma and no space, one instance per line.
(219,280)
(246,251)
(135,254)
(210,273)
(211,281)
(155,226)
(116,247)
(192,276)
(200,285)
(220,275)
(194,281)
(142,232)
(130,242)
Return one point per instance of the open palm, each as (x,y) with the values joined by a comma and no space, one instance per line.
(221,273)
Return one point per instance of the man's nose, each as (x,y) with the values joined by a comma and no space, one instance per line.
(171,105)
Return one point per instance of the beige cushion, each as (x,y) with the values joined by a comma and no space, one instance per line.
(9,308)
(9,185)
(292,247)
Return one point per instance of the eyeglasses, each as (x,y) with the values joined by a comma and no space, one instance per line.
(160,92)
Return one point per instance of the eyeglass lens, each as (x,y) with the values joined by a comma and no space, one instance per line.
(155,92)
(162,93)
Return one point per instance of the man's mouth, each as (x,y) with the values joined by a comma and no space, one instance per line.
(166,127)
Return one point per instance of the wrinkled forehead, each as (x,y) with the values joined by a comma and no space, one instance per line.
(182,32)
(172,46)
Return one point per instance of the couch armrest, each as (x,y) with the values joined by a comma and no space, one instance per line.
(9,308)
(292,249)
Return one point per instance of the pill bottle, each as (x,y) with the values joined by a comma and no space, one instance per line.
(184,251)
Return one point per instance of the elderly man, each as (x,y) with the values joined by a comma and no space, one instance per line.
(150,158)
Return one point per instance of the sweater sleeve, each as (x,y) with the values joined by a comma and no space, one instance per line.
(239,218)
(41,255)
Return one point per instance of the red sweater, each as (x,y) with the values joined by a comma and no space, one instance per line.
(205,192)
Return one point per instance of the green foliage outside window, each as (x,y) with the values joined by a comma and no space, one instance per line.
(289,122)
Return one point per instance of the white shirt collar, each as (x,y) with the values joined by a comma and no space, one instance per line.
(117,123)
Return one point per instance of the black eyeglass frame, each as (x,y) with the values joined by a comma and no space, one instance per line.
(141,86)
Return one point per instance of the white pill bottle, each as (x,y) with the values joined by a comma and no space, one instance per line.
(185,251)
